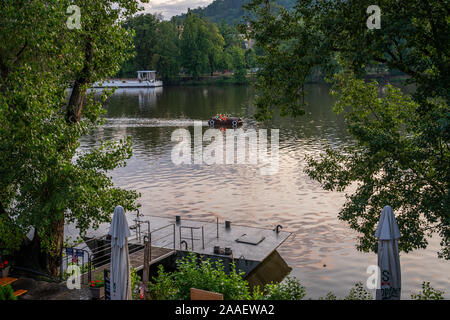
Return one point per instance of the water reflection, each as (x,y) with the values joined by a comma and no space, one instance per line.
(322,249)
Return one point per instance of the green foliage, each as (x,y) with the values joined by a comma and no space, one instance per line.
(194,272)
(358,292)
(163,286)
(166,60)
(289,289)
(428,293)
(203,274)
(156,44)
(329,296)
(7,293)
(201,46)
(135,282)
(238,63)
(84,268)
(44,180)
(401,155)
(250,58)
(194,44)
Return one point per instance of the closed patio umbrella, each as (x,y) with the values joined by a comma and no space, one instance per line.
(388,234)
(120,261)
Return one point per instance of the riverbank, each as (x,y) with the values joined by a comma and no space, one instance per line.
(214,80)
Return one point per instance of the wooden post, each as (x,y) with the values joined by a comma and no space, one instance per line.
(146,271)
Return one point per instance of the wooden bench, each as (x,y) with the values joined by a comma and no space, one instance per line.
(7,280)
(20,292)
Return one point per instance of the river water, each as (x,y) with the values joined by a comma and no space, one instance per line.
(321,250)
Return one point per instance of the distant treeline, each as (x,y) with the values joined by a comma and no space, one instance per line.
(192,47)
(230,11)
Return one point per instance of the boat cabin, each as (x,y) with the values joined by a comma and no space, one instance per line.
(147,75)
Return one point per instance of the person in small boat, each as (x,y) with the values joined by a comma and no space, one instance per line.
(222,117)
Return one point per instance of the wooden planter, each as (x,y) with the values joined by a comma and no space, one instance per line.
(5,272)
(97,293)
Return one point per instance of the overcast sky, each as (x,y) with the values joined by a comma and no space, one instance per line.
(169,8)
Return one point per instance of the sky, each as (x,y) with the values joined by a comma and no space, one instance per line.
(169,8)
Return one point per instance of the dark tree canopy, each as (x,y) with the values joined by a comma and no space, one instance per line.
(401,155)
(44,181)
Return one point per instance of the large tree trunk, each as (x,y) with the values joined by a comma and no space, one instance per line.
(75,105)
(73,116)
(54,257)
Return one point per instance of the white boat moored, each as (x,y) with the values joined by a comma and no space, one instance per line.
(145,79)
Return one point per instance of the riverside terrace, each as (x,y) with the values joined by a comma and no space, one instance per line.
(252,249)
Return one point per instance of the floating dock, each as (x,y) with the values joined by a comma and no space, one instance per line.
(252,249)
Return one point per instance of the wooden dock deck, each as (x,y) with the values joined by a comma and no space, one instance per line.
(136,261)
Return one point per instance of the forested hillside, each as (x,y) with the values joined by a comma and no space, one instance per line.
(197,47)
(230,11)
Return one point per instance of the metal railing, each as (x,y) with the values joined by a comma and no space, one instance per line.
(71,253)
(191,238)
(95,255)
(153,239)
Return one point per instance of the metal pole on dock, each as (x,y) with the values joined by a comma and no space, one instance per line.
(203,238)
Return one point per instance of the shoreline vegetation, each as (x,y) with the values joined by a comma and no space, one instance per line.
(210,276)
(226,79)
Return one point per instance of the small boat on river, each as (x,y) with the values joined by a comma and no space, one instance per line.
(225,121)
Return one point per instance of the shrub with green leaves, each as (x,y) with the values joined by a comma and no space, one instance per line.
(428,293)
(356,293)
(287,290)
(135,281)
(7,293)
(359,293)
(200,274)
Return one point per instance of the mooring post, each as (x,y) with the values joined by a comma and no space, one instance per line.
(217,228)
(203,238)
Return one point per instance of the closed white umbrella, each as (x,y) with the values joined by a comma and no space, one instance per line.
(388,234)
(120,260)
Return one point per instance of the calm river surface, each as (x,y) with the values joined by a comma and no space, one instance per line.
(321,250)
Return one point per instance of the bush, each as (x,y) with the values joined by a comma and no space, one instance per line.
(288,290)
(359,293)
(135,282)
(7,293)
(428,293)
(205,275)
(329,296)
(356,293)
(163,287)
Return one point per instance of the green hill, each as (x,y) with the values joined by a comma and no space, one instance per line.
(229,11)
